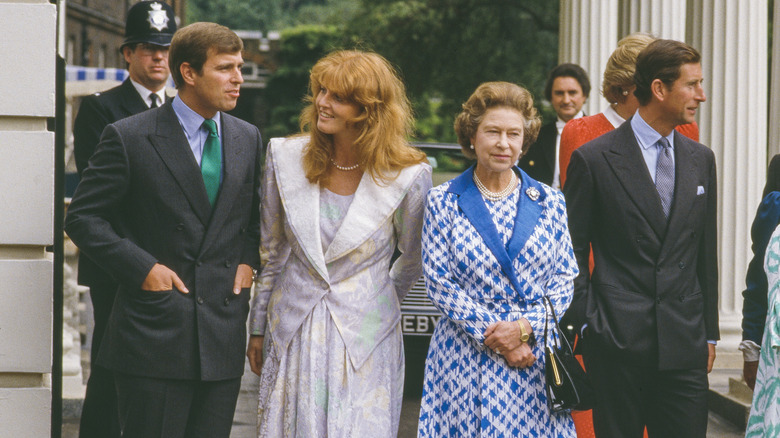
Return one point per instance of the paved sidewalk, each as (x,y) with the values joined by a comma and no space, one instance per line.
(246,416)
(245,420)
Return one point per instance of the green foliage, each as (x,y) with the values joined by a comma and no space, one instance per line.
(301,47)
(443,48)
(432,123)
(446,48)
(267,15)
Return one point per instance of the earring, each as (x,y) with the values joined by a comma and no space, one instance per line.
(472,146)
(625,92)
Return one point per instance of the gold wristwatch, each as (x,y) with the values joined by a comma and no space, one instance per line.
(524,336)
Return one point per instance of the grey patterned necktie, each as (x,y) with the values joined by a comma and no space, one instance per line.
(664,175)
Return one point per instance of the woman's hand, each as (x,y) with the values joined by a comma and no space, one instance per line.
(255,353)
(522,356)
(504,336)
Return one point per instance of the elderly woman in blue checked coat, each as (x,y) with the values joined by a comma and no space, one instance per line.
(495,242)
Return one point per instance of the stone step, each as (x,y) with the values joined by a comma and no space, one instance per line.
(729,396)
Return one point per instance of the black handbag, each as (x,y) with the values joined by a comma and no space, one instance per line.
(566,384)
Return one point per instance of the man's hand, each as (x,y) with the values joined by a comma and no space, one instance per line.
(255,353)
(505,335)
(162,278)
(522,356)
(244,278)
(710,356)
(749,371)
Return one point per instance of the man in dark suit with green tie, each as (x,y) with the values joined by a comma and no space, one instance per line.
(169,206)
(148,31)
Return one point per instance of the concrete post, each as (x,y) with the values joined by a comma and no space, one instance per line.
(588,35)
(27,84)
(732,38)
(774,103)
(662,18)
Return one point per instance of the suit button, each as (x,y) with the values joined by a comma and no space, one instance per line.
(180,227)
(199,300)
(227,264)
(324,284)
(227,301)
(658,300)
(198,263)
(681,265)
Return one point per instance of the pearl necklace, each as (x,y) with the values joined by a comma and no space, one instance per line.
(345,168)
(496,196)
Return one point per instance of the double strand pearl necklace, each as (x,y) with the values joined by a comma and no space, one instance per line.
(496,196)
(345,168)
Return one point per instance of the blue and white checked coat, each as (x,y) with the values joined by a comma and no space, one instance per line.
(476,280)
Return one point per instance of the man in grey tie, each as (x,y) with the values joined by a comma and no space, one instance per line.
(169,206)
(643,197)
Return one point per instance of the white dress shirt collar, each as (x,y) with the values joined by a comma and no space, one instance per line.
(145,93)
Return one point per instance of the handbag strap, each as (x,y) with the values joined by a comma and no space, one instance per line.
(556,327)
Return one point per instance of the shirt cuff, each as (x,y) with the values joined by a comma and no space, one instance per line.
(750,350)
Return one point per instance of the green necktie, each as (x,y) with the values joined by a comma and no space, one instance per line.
(211,162)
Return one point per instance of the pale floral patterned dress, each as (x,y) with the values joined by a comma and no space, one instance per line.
(327,300)
(765,413)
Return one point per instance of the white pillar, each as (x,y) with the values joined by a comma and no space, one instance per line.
(732,38)
(662,18)
(774,103)
(28,35)
(588,34)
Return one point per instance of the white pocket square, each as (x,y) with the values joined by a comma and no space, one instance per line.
(699,190)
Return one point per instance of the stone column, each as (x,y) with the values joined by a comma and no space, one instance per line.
(774,103)
(28,35)
(662,18)
(732,38)
(587,36)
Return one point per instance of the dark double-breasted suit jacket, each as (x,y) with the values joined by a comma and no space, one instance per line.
(142,201)
(539,161)
(95,113)
(652,297)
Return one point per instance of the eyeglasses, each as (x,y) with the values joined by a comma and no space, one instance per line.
(146,49)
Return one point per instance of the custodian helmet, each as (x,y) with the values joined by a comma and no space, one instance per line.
(150,22)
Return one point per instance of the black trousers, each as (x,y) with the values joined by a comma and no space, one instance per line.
(670,403)
(168,408)
(99,418)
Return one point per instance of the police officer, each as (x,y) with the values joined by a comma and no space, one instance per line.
(148,31)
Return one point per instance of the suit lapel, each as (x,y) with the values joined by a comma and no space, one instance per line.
(626,160)
(371,207)
(172,146)
(300,198)
(473,207)
(551,138)
(528,212)
(132,102)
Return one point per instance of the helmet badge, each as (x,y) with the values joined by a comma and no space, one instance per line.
(158,19)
